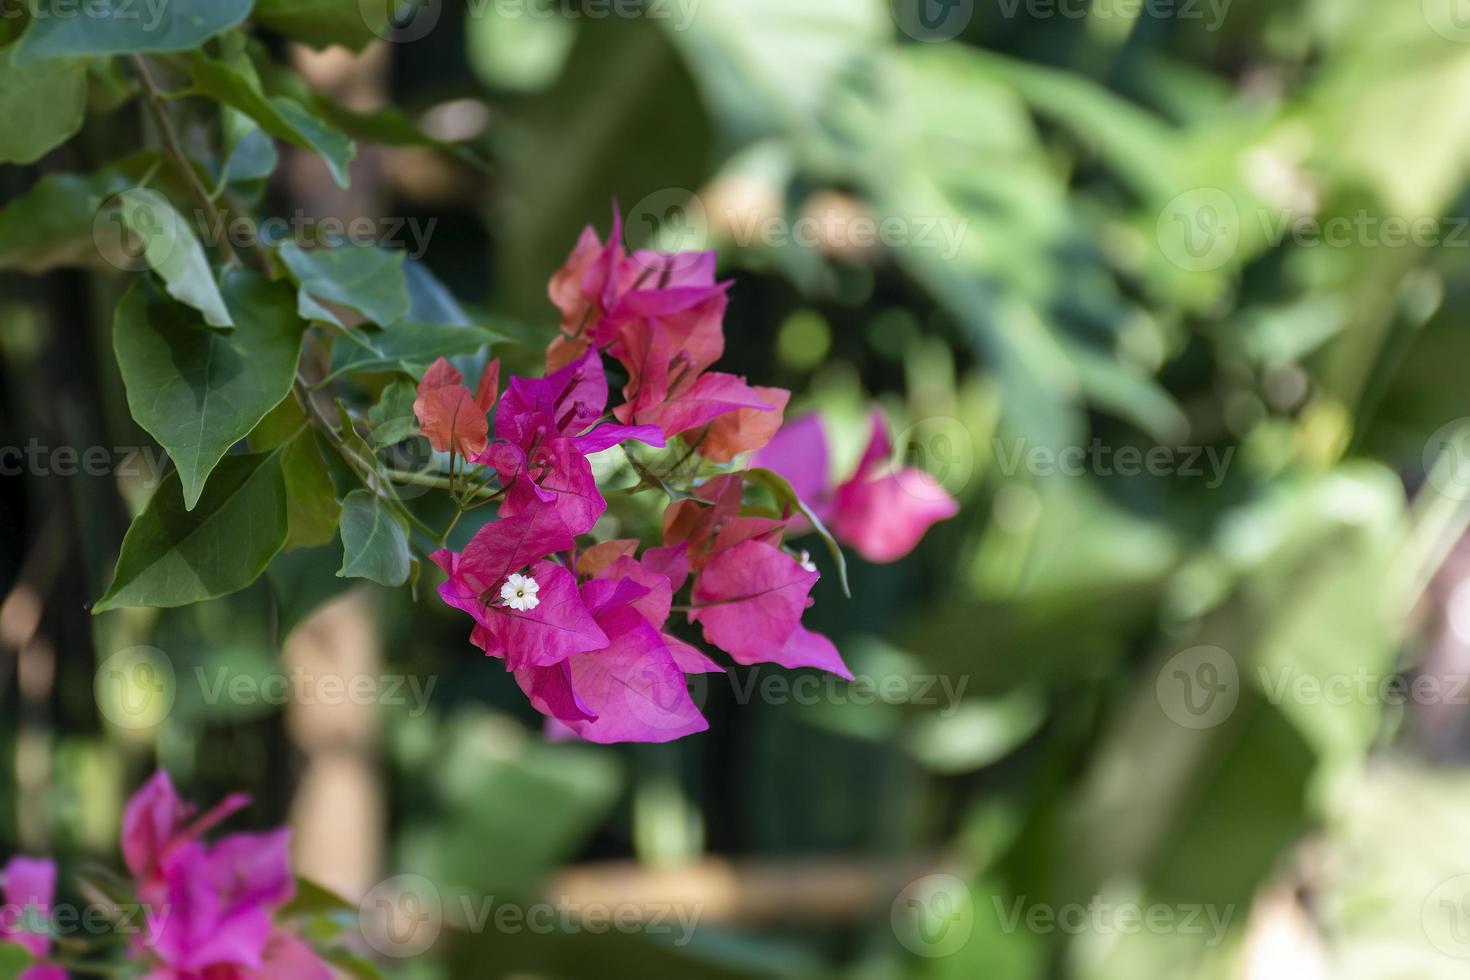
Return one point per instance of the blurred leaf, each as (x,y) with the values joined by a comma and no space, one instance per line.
(323,23)
(32,124)
(51,224)
(123,27)
(280,116)
(302,581)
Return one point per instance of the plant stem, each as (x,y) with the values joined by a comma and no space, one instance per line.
(175,149)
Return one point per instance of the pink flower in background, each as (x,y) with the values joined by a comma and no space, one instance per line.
(882,511)
(156,821)
(212,906)
(30,888)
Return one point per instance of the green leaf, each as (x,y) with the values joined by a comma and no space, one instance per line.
(172,250)
(312,509)
(51,224)
(374,544)
(14,960)
(280,116)
(393,417)
(129,27)
(251,156)
(364,278)
(41,105)
(314,899)
(198,391)
(408,347)
(783,491)
(323,23)
(302,581)
(173,555)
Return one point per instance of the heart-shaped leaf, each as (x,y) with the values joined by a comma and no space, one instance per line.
(198,391)
(374,544)
(173,555)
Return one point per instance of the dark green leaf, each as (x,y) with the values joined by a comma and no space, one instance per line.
(374,544)
(173,251)
(323,23)
(364,278)
(302,581)
(41,105)
(282,117)
(51,224)
(392,417)
(198,391)
(173,555)
(408,347)
(129,27)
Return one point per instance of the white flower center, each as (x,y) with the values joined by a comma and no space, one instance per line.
(520,593)
(806,561)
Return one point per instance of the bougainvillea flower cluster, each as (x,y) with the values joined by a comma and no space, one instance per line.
(584,625)
(207,911)
(212,906)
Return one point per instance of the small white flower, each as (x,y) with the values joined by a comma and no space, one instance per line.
(806,561)
(519,593)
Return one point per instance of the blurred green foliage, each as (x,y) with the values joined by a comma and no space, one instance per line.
(1130,231)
